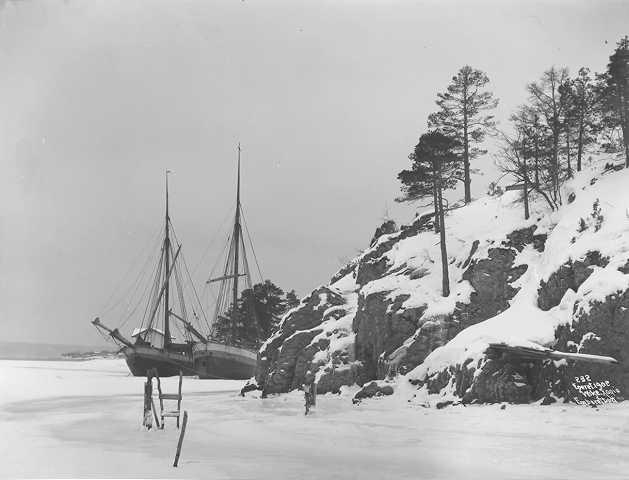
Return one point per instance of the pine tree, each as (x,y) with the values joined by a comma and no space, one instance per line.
(528,154)
(464,115)
(530,129)
(291,300)
(515,159)
(518,158)
(268,303)
(433,170)
(581,98)
(618,91)
(256,315)
(546,103)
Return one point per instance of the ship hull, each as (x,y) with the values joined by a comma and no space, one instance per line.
(168,364)
(219,361)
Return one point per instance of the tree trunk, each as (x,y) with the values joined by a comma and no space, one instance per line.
(526,184)
(435,203)
(580,143)
(555,160)
(625,139)
(526,193)
(466,156)
(568,151)
(625,133)
(536,163)
(445,279)
(623,113)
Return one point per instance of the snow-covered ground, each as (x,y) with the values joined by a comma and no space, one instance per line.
(82,419)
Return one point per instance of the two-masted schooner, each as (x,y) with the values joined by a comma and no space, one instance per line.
(227,355)
(221,354)
(150,346)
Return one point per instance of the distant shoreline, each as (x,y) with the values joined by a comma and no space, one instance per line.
(57,359)
(50,352)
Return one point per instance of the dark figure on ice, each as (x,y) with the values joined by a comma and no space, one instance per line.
(309,392)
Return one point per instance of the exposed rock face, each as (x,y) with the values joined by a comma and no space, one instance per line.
(381,326)
(422,224)
(370,270)
(284,358)
(372,389)
(333,378)
(600,328)
(250,386)
(501,380)
(386,228)
(432,334)
(570,276)
(491,279)
(597,328)
(291,353)
(518,239)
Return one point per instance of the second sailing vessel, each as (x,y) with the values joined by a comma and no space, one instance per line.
(226,354)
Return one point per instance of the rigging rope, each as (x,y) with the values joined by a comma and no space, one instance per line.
(153,294)
(220,302)
(218,231)
(129,313)
(194,290)
(196,296)
(182,304)
(107,307)
(221,255)
(255,257)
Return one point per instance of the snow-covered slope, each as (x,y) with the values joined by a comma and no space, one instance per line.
(521,282)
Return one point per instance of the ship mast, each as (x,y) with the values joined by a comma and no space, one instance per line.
(236,266)
(167,271)
(237,233)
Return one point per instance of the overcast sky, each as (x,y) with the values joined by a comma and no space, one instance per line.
(99,98)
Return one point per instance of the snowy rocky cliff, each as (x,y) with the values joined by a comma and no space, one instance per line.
(559,279)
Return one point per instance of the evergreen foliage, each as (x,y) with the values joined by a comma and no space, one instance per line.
(617,92)
(434,168)
(257,314)
(291,300)
(464,114)
(581,96)
(597,216)
(545,102)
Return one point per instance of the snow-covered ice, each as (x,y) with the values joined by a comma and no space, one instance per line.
(82,419)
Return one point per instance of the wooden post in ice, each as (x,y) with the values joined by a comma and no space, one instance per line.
(149,404)
(148,397)
(181,434)
(155,413)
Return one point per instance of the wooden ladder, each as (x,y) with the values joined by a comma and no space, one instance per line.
(170,396)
